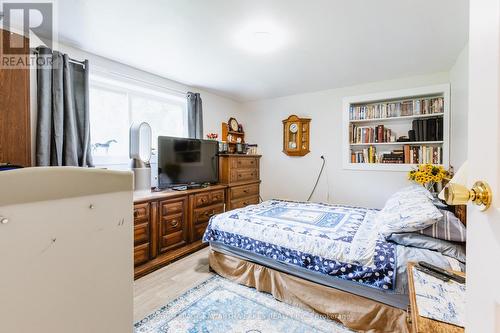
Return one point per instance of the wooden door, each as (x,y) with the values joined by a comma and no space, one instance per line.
(15,129)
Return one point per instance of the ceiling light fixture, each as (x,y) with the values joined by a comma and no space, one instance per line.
(262,41)
(261,37)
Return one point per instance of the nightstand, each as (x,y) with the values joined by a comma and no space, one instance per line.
(425,325)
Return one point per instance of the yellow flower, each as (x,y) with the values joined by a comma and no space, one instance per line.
(427,173)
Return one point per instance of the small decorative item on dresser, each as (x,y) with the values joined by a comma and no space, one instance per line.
(222,147)
(296,136)
(233,124)
(252,149)
(240,148)
(232,134)
(212,136)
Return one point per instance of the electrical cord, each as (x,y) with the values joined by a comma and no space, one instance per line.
(319,176)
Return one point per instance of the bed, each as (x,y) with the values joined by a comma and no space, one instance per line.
(342,261)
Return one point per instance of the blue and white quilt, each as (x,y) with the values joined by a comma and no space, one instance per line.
(339,241)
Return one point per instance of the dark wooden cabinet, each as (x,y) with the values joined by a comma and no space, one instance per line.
(204,206)
(15,129)
(169,225)
(242,175)
(141,233)
(173,229)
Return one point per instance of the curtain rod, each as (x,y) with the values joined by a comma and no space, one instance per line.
(74,61)
(98,69)
(101,70)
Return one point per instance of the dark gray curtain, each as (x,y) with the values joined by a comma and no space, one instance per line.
(63,129)
(195,115)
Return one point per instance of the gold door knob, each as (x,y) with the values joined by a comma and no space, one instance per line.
(480,194)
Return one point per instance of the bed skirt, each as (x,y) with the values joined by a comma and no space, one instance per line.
(355,312)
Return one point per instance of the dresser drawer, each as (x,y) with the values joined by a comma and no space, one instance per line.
(242,175)
(244,163)
(141,254)
(238,192)
(217,197)
(199,231)
(240,203)
(171,223)
(208,198)
(202,215)
(141,233)
(172,241)
(171,207)
(202,199)
(141,213)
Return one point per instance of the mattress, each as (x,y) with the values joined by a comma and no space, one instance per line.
(332,240)
(333,245)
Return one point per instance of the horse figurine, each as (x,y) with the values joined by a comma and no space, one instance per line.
(104,145)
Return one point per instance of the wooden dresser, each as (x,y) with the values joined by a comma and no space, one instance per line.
(170,224)
(241,174)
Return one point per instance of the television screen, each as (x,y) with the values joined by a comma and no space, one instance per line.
(186,161)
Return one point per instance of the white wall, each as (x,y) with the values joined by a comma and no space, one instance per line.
(293,177)
(459,81)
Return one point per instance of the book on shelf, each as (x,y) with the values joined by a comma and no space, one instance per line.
(410,154)
(404,108)
(367,134)
(424,129)
(428,129)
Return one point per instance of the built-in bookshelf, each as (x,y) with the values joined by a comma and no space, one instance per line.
(397,130)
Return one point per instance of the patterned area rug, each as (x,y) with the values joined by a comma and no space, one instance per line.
(219,306)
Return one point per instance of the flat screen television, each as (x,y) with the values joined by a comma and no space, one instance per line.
(184,161)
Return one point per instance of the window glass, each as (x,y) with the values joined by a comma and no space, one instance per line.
(164,117)
(114,105)
(109,123)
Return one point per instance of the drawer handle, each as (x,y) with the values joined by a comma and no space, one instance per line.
(174,223)
(245,191)
(208,214)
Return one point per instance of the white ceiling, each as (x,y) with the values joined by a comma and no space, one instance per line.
(326,43)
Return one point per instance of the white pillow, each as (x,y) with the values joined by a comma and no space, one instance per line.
(408,210)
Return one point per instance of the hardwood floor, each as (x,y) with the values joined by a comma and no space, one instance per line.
(160,287)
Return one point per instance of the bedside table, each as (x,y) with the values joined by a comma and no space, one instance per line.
(426,325)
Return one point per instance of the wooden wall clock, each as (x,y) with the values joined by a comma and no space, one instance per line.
(296,136)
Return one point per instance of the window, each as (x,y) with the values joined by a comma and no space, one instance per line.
(114,105)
